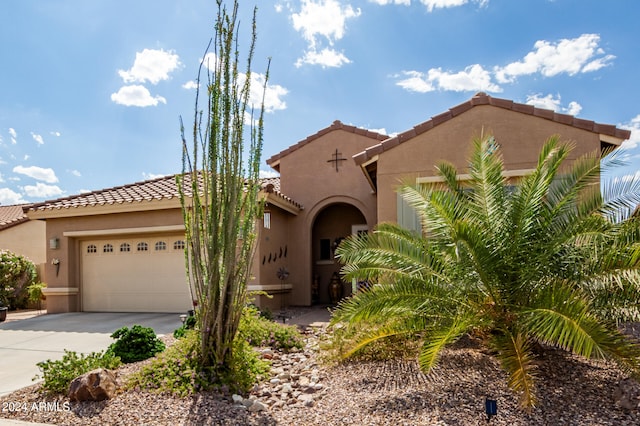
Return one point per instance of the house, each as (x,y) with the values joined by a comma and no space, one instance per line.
(121,249)
(22,236)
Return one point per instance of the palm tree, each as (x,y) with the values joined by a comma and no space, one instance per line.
(548,260)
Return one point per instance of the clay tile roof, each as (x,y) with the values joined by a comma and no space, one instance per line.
(154,189)
(272,186)
(484,99)
(336,125)
(12,215)
(163,188)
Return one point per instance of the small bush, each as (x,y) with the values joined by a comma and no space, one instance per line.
(177,370)
(135,344)
(189,324)
(258,331)
(16,274)
(58,375)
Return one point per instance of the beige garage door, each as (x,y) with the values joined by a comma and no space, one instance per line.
(144,274)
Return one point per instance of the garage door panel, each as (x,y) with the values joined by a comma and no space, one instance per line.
(122,278)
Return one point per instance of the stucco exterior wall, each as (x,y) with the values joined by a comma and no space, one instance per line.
(310,179)
(520,136)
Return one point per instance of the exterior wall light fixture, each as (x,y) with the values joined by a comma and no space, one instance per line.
(54,243)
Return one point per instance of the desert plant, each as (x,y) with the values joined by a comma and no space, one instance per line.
(135,344)
(59,374)
(219,190)
(16,274)
(178,370)
(549,260)
(259,331)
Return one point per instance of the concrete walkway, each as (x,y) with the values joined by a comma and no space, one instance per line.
(28,340)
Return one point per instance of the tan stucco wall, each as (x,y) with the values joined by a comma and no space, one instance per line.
(68,253)
(272,253)
(308,178)
(520,137)
(27,239)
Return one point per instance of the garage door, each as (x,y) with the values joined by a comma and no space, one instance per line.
(145,274)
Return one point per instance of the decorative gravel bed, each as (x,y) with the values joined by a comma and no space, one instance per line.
(301,392)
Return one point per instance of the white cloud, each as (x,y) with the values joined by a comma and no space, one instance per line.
(415,81)
(1,178)
(150,176)
(273,93)
(473,78)
(435,4)
(189,85)
(38,138)
(26,157)
(568,56)
(431,4)
(41,190)
(381,131)
(151,65)
(323,21)
(384,2)
(268,174)
(9,197)
(54,133)
(14,135)
(38,173)
(75,173)
(327,57)
(554,104)
(136,95)
(634,126)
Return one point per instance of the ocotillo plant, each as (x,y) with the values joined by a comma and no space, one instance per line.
(219,190)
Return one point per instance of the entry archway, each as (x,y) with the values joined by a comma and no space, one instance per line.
(332,224)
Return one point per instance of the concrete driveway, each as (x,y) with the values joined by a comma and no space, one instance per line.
(26,342)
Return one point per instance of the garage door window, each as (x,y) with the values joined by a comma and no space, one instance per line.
(124,247)
(143,247)
(107,248)
(161,245)
(178,245)
(91,248)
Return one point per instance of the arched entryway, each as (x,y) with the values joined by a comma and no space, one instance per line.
(331,225)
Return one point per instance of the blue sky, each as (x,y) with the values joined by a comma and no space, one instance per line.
(91,91)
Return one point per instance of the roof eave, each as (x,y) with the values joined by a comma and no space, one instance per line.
(100,209)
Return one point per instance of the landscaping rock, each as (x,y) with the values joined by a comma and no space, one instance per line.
(96,385)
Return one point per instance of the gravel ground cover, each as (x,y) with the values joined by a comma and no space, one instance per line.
(303,392)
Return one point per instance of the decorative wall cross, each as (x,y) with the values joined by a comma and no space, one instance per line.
(336,158)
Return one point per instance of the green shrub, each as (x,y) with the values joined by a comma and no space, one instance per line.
(16,274)
(189,324)
(135,344)
(177,370)
(258,331)
(58,375)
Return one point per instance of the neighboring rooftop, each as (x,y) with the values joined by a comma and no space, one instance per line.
(12,215)
(609,132)
(274,161)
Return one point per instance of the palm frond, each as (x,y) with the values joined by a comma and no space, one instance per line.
(516,357)
(439,337)
(561,317)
